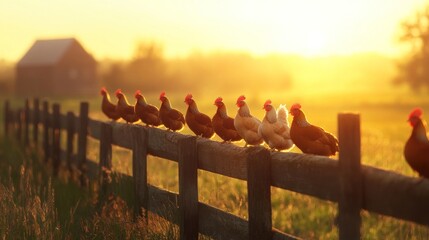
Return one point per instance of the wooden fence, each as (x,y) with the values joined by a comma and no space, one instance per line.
(346,181)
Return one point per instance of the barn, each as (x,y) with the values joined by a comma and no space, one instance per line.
(56,67)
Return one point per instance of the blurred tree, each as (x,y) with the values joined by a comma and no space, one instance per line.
(114,76)
(414,69)
(147,69)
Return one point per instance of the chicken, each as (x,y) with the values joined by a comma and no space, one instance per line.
(107,107)
(274,128)
(198,122)
(170,117)
(223,125)
(416,149)
(148,113)
(247,125)
(309,138)
(125,110)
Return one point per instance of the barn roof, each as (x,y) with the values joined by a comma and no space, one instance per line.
(46,52)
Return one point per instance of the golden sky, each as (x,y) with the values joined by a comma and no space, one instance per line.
(111,28)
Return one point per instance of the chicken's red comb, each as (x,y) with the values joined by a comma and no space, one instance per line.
(218,100)
(188,97)
(241,98)
(103,89)
(417,112)
(138,92)
(118,91)
(268,102)
(295,106)
(162,95)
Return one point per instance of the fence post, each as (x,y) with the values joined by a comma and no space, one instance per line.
(259,193)
(70,138)
(36,120)
(6,117)
(56,138)
(19,124)
(188,188)
(82,140)
(350,199)
(46,147)
(140,171)
(27,122)
(105,158)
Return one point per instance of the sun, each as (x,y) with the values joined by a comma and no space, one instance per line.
(315,43)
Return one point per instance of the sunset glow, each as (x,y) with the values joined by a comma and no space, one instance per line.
(112,28)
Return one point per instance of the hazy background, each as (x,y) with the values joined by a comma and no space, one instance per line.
(302,49)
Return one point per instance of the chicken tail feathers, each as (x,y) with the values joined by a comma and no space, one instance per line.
(282,113)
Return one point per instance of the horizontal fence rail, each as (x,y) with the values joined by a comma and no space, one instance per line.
(345,181)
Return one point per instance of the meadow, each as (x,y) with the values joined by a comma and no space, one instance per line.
(384,131)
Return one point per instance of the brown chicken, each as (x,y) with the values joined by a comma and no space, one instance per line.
(246,124)
(148,113)
(416,150)
(107,107)
(170,117)
(198,122)
(309,138)
(125,110)
(223,125)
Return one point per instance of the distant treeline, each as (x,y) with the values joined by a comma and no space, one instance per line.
(149,71)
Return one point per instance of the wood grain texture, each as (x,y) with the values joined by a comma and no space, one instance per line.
(188,188)
(259,193)
(222,158)
(307,174)
(140,171)
(350,197)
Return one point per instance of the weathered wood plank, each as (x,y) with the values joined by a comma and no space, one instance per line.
(188,188)
(105,162)
(218,224)
(82,141)
(94,128)
(259,193)
(56,138)
(222,158)
(19,115)
(27,122)
(36,121)
(396,195)
(63,121)
(70,140)
(164,144)
(140,171)
(46,120)
(306,174)
(350,198)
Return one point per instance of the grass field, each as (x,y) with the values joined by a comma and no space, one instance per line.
(384,132)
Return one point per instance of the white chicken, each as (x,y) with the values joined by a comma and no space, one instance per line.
(274,128)
(247,125)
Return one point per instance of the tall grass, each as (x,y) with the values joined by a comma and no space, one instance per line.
(35,206)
